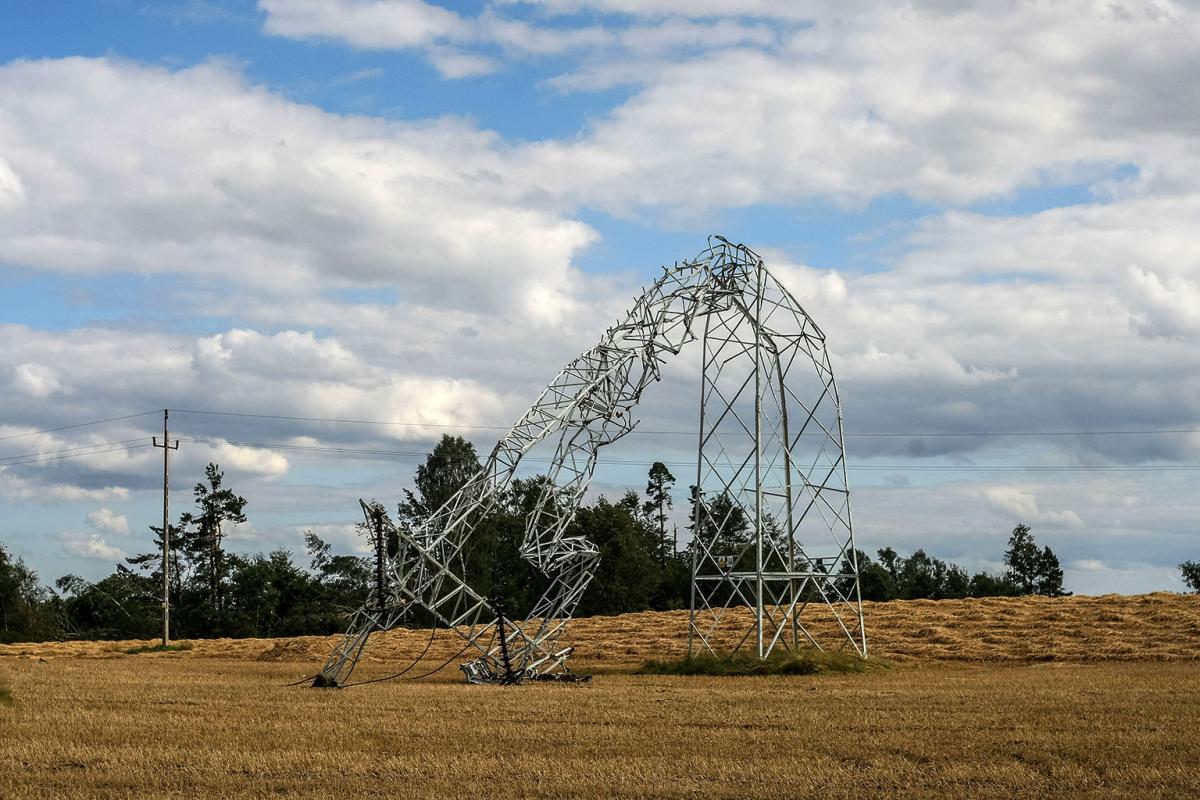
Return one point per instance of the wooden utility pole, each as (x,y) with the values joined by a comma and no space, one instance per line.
(167,447)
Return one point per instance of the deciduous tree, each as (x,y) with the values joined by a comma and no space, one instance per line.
(1190,571)
(21,599)
(1031,570)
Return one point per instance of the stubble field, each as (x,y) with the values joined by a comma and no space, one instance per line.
(1095,697)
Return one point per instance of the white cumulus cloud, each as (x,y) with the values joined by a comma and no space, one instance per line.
(1024,506)
(36,380)
(363,23)
(205,174)
(105,520)
(91,546)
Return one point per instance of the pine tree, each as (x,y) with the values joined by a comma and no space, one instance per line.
(152,562)
(722,531)
(1050,574)
(203,532)
(658,502)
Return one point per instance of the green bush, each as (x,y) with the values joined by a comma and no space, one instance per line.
(158,648)
(803,662)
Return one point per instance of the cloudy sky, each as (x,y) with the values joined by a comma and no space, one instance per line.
(405,212)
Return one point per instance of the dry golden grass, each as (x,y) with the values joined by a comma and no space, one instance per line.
(1153,627)
(177,727)
(1113,716)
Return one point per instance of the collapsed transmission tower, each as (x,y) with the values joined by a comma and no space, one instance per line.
(772,528)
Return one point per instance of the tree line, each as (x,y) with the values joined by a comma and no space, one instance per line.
(215,592)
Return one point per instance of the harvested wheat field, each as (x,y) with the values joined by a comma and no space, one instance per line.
(1094,697)
(1152,627)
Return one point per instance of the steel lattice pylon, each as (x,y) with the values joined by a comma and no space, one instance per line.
(772,525)
(771,505)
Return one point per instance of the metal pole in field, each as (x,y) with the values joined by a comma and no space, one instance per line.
(788,499)
(167,447)
(698,499)
(758,480)
(380,559)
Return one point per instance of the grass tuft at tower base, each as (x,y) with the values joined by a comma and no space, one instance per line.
(802,662)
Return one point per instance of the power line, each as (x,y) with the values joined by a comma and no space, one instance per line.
(111,449)
(134,444)
(1026,468)
(1028,433)
(113,446)
(849,434)
(35,455)
(683,465)
(340,421)
(77,425)
(450,426)
(309,448)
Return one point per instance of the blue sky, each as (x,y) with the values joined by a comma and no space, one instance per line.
(403,211)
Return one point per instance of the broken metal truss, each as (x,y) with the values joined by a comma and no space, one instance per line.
(771,470)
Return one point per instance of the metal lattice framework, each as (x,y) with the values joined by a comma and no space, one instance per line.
(772,505)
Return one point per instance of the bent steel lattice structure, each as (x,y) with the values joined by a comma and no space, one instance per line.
(772,525)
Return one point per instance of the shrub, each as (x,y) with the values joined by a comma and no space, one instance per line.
(158,648)
(803,662)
